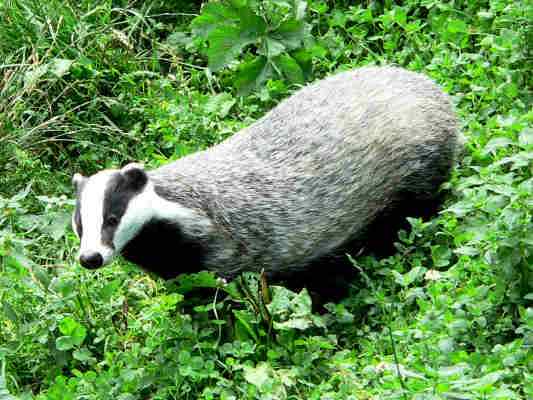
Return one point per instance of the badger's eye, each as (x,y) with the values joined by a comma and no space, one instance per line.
(111,220)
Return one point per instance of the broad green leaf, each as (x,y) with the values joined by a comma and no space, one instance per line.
(252,74)
(204,279)
(456,26)
(272,48)
(72,329)
(246,320)
(82,355)
(225,44)
(290,68)
(251,25)
(220,104)
(441,255)
(497,143)
(459,369)
(67,326)
(9,312)
(64,343)
(294,323)
(290,33)
(258,375)
(58,225)
(214,14)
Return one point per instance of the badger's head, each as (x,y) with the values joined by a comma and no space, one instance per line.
(111,207)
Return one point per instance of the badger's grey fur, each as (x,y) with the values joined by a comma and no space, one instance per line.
(302,182)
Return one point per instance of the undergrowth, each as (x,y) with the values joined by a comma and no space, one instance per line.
(91,84)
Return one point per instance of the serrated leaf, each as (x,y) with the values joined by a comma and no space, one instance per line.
(225,44)
(252,74)
(290,68)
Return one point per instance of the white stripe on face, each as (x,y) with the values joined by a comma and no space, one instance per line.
(91,210)
(147,205)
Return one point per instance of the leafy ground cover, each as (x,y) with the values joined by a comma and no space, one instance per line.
(91,84)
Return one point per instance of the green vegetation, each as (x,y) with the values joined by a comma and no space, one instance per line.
(96,83)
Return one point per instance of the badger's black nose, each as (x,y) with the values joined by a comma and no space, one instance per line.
(91,260)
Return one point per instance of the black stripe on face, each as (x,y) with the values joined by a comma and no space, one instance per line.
(77,213)
(77,218)
(117,196)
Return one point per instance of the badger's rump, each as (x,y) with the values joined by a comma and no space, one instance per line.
(319,168)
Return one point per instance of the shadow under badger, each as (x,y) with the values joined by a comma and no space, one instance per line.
(301,185)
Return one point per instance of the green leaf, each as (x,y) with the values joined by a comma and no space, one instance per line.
(257,376)
(456,26)
(82,355)
(58,226)
(291,33)
(67,326)
(246,319)
(72,329)
(496,143)
(188,282)
(251,25)
(252,74)
(220,104)
(4,393)
(272,48)
(64,343)
(214,14)
(290,68)
(441,255)
(225,44)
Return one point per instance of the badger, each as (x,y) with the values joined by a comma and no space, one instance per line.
(305,181)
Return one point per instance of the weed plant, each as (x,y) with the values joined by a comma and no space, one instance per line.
(96,83)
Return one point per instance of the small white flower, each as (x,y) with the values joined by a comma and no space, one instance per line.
(222,281)
(432,275)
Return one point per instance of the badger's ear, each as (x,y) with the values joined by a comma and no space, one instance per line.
(78,180)
(135,175)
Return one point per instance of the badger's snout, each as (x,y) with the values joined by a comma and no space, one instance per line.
(91,260)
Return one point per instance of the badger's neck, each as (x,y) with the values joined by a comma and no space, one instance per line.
(173,240)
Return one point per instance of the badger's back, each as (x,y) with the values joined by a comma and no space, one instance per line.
(315,171)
